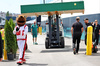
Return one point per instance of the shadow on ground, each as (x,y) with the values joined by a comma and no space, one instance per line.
(95,54)
(9,60)
(17,57)
(66,49)
(34,64)
(28,51)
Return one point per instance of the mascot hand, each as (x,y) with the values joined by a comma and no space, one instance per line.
(18,33)
(17,29)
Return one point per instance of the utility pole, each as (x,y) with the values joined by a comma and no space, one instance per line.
(61,0)
(43,1)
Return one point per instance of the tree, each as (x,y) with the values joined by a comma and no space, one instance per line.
(7,14)
(10,39)
(12,24)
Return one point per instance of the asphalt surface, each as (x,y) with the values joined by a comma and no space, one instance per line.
(37,55)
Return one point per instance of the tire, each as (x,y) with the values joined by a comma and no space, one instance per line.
(62,42)
(94,50)
(60,33)
(47,43)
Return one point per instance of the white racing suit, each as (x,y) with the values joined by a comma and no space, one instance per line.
(21,39)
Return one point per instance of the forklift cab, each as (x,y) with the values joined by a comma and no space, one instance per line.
(54,38)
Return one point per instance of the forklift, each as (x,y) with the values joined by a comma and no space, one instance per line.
(54,38)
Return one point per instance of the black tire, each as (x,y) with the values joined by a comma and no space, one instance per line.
(94,50)
(62,42)
(60,33)
(47,43)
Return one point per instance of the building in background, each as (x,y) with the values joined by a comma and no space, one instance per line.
(3,17)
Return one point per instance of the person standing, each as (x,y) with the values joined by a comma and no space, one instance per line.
(21,31)
(2,34)
(1,47)
(76,30)
(34,31)
(86,21)
(96,32)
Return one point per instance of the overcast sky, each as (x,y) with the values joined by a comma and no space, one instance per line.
(91,6)
(14,5)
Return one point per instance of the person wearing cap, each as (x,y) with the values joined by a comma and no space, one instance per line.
(76,30)
(34,31)
(86,21)
(96,32)
(1,46)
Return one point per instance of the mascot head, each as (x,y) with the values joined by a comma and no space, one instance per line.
(21,20)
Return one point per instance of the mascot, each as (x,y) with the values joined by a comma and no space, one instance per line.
(21,31)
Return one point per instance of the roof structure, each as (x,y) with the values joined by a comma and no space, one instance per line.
(53,8)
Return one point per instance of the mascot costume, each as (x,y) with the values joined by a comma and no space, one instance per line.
(21,31)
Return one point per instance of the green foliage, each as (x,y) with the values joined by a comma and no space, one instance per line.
(10,38)
(7,14)
(12,24)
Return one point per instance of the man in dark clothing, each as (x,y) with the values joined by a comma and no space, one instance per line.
(96,32)
(1,47)
(86,21)
(76,30)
